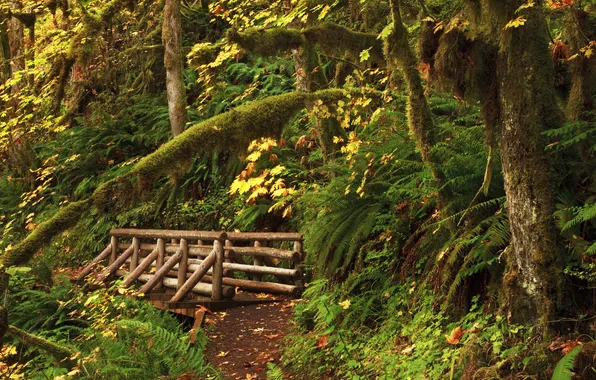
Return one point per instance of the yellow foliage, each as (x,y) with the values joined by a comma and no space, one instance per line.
(516,22)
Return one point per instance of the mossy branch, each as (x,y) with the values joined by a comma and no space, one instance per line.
(338,40)
(232,130)
(333,39)
(267,42)
(58,351)
(64,219)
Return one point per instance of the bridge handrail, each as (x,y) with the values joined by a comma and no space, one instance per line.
(206,235)
(200,257)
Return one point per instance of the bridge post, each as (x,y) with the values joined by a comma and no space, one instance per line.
(257,261)
(228,254)
(297,264)
(183,265)
(217,271)
(134,260)
(114,252)
(161,254)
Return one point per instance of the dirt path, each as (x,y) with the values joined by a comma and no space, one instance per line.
(244,339)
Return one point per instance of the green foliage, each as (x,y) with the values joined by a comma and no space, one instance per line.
(564,368)
(110,336)
(274,372)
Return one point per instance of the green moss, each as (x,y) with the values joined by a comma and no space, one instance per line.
(232,130)
(428,42)
(338,41)
(43,234)
(202,54)
(332,39)
(116,194)
(58,351)
(580,25)
(267,42)
(374,14)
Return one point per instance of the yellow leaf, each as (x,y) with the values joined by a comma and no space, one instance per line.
(529,4)
(254,156)
(324,12)
(277,170)
(287,212)
(345,304)
(240,187)
(516,22)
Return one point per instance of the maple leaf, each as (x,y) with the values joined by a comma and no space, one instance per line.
(455,336)
(365,55)
(322,341)
(516,22)
(217,10)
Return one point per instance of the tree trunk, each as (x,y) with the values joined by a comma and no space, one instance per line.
(528,107)
(310,78)
(420,119)
(174,64)
(4,48)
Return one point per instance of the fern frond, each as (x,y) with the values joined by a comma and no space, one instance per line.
(564,368)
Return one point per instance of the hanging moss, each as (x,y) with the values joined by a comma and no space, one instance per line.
(67,217)
(266,42)
(428,42)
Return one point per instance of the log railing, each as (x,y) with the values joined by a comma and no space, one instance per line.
(186,262)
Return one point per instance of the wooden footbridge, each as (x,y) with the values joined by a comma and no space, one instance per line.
(188,271)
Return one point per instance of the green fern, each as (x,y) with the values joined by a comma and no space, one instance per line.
(564,368)
(274,372)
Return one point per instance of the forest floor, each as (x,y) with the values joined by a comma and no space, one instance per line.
(243,340)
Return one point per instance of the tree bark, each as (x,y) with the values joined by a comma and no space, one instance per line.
(174,65)
(527,107)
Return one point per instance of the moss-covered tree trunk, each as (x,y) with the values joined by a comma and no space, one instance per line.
(4,48)
(580,27)
(420,119)
(528,107)
(174,65)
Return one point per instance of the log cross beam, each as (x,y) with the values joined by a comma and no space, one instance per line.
(102,256)
(115,265)
(161,273)
(195,278)
(140,268)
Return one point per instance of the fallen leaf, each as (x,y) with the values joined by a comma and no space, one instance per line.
(345,304)
(223,354)
(455,335)
(408,350)
(322,341)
